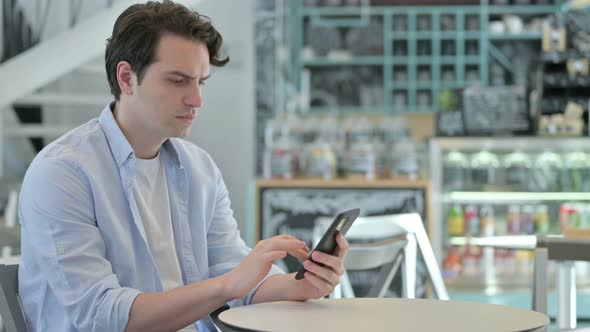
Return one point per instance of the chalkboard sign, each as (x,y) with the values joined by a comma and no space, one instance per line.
(450,123)
(497,110)
(294,211)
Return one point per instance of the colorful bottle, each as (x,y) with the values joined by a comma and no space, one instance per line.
(452,264)
(513,219)
(542,219)
(488,221)
(456,221)
(527,220)
(471,221)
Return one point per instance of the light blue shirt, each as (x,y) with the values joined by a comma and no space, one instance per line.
(84,251)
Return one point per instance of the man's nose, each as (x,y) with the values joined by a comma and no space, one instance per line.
(194,99)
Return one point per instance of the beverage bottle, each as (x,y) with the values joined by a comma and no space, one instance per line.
(542,219)
(513,219)
(488,221)
(455,221)
(471,221)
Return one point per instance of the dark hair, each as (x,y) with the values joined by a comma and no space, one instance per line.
(138,29)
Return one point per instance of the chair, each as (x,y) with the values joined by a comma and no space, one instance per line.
(395,241)
(10,308)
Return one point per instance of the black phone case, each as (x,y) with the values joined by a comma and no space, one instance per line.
(327,243)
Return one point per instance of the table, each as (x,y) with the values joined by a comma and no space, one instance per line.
(563,250)
(381,314)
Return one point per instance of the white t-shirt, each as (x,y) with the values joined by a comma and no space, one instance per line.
(151,195)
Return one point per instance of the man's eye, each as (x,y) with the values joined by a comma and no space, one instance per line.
(202,83)
(177,81)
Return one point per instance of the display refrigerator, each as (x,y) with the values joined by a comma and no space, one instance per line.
(495,189)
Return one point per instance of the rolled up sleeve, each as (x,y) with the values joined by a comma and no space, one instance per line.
(59,229)
(226,248)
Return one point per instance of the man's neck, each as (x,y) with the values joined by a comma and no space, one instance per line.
(143,144)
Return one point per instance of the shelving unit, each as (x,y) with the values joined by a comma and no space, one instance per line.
(497,270)
(440,47)
(512,197)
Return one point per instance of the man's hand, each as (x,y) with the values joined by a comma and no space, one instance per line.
(320,281)
(257,264)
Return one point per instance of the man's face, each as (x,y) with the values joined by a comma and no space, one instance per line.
(167,101)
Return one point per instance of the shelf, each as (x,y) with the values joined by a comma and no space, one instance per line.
(447,34)
(513,197)
(517,242)
(564,82)
(348,109)
(517,36)
(405,10)
(351,61)
(503,283)
(558,57)
(425,85)
(343,183)
(388,10)
(524,143)
(340,11)
(451,60)
(495,285)
(523,9)
(453,84)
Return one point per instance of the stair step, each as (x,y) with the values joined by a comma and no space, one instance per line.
(30,130)
(55,57)
(93,69)
(65,99)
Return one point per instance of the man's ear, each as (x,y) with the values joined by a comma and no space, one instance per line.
(125,78)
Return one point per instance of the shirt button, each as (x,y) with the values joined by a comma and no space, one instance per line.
(61,250)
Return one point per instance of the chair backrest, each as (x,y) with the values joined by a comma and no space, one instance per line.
(366,256)
(408,225)
(412,224)
(373,242)
(10,308)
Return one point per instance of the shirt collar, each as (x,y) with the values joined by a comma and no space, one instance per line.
(119,144)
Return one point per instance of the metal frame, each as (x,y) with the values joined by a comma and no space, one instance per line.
(12,317)
(565,251)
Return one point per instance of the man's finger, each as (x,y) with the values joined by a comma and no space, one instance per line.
(343,246)
(326,274)
(274,244)
(275,255)
(329,260)
(318,283)
(290,237)
(300,254)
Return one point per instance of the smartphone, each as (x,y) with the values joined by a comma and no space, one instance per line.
(327,243)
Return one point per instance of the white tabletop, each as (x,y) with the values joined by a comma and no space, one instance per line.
(383,314)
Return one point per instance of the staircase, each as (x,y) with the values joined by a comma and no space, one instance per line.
(35,73)
(49,84)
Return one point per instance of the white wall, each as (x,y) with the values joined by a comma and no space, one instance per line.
(225,127)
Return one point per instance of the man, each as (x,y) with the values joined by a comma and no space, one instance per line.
(126,227)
